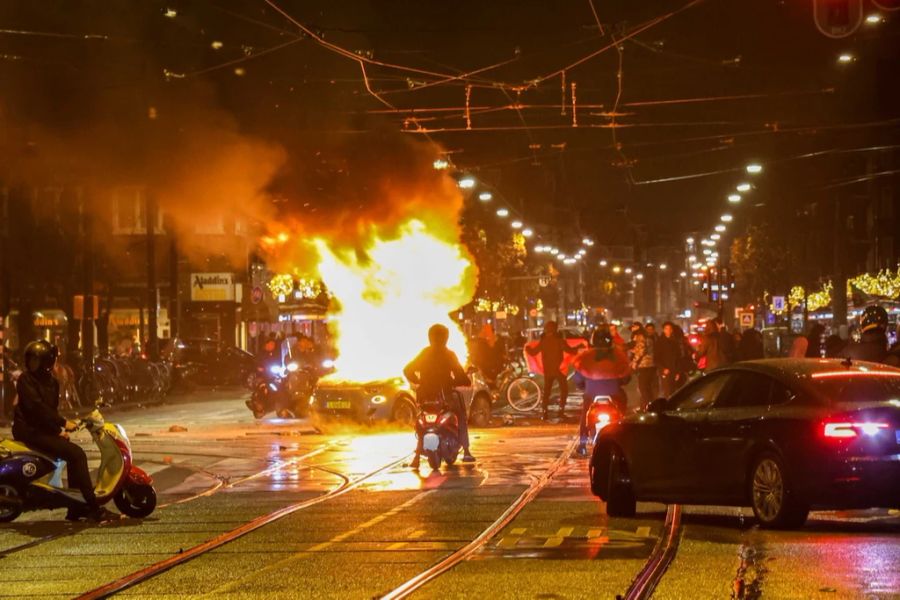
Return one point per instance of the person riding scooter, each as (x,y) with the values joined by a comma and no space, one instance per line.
(38,424)
(436,371)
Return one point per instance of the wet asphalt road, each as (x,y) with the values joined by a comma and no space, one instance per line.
(219,469)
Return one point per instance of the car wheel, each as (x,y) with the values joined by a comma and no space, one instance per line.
(620,500)
(480,411)
(772,497)
(404,412)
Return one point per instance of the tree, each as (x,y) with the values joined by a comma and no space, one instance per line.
(761,261)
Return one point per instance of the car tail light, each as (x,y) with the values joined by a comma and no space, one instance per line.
(849,429)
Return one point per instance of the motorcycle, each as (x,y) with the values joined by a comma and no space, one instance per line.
(285,390)
(30,480)
(438,428)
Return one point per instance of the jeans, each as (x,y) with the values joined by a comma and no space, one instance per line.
(76,461)
(560,378)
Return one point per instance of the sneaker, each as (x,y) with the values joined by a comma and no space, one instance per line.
(414,465)
(468,458)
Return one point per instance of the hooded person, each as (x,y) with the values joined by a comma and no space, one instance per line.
(600,370)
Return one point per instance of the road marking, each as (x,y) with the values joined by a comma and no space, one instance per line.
(323,545)
(416,534)
(643,532)
(594,533)
(557,539)
(515,534)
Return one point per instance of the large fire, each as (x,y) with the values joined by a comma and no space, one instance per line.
(389,294)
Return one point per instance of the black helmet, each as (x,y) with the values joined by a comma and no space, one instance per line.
(874,317)
(40,356)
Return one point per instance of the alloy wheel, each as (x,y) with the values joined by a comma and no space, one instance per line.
(768,489)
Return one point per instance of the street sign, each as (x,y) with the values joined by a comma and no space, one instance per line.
(256,294)
(747,319)
(778,303)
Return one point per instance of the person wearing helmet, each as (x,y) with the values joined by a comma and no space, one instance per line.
(599,370)
(436,371)
(873,343)
(38,424)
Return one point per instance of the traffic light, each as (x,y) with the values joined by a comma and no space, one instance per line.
(838,18)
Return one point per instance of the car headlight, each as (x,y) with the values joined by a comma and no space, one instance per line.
(275,370)
(291,367)
(379,399)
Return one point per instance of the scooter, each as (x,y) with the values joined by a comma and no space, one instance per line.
(30,480)
(603,412)
(285,390)
(438,428)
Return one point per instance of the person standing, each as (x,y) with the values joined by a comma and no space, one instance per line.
(643,363)
(873,342)
(552,348)
(669,356)
(712,347)
(751,346)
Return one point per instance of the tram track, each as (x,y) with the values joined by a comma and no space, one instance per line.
(643,585)
(188,554)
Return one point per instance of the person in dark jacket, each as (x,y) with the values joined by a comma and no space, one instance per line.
(873,343)
(669,356)
(552,349)
(437,372)
(38,424)
(751,346)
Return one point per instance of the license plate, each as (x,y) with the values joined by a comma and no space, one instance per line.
(338,404)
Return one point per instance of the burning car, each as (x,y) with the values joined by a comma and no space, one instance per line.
(391,400)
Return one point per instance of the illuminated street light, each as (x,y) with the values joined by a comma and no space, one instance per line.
(527,232)
(485,196)
(467,183)
(539,249)
(554,251)
(692,258)
(726,218)
(683,274)
(603,263)
(587,242)
(743,187)
(845,58)
(617,269)
(639,276)
(720,228)
(582,252)
(663,267)
(754,168)
(707,252)
(502,212)
(716,237)
(569,261)
(734,198)
(440,164)
(629,270)
(516,224)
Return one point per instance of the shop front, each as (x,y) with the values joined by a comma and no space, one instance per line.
(214,310)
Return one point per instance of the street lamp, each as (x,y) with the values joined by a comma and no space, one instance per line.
(716,237)
(554,251)
(527,232)
(467,183)
(754,168)
(539,249)
(440,164)
(628,270)
(690,240)
(516,224)
(720,228)
(734,198)
(743,187)
(639,276)
(587,242)
(485,196)
(726,218)
(663,267)
(502,212)
(617,269)
(603,263)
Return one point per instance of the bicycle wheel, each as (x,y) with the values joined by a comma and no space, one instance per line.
(523,394)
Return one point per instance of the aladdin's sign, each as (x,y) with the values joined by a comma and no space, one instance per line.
(212,287)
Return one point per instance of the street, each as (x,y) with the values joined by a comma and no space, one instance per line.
(364,524)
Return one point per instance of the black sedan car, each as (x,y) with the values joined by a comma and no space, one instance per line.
(780,435)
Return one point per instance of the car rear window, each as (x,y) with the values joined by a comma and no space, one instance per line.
(859,388)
